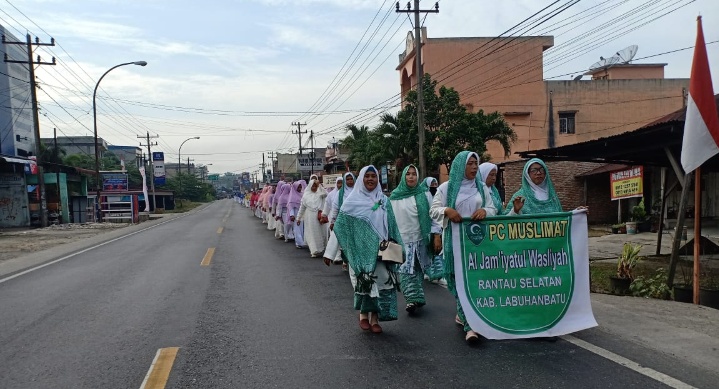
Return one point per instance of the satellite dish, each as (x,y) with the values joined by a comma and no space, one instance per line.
(627,54)
(599,64)
(579,77)
(621,57)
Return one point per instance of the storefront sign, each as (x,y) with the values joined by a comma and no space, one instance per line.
(627,183)
(158,167)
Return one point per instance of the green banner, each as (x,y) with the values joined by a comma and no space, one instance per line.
(518,273)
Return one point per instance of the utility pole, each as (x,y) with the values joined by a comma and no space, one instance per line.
(312,153)
(188,165)
(263,167)
(299,135)
(420,75)
(56,153)
(273,156)
(152,175)
(36,119)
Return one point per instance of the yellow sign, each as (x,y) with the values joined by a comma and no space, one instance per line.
(627,183)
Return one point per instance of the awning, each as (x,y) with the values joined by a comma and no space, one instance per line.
(610,167)
(15,160)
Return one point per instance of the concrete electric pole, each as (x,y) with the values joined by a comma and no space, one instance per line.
(299,135)
(152,174)
(33,93)
(420,75)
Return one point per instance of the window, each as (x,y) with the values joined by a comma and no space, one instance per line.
(566,122)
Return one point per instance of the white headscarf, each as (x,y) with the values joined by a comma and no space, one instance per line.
(348,189)
(540,191)
(466,202)
(333,192)
(312,200)
(367,205)
(485,169)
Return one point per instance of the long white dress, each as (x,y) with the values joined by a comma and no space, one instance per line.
(314,232)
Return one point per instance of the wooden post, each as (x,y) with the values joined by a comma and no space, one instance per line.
(697,229)
(678,231)
(660,231)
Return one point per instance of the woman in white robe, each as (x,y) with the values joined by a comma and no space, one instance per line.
(309,213)
(293,207)
(332,252)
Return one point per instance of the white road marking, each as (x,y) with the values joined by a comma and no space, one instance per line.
(651,373)
(87,249)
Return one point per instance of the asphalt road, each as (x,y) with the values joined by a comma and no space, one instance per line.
(261,314)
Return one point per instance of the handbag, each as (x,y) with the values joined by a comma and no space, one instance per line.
(390,252)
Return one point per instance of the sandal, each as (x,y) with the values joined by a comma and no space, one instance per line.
(364,324)
(326,261)
(471,337)
(411,307)
(376,329)
(458,321)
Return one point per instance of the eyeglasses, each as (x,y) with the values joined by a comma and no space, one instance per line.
(537,170)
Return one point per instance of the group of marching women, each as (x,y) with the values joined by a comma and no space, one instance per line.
(353,222)
(293,211)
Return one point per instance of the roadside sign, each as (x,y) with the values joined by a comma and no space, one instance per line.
(627,183)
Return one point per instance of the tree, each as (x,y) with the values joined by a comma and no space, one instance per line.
(188,186)
(450,128)
(50,154)
(398,138)
(358,143)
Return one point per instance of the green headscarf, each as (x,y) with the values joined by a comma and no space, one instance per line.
(532,205)
(456,176)
(403,191)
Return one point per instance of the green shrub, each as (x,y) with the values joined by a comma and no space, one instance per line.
(653,287)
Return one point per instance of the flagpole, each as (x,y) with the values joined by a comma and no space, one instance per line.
(697,229)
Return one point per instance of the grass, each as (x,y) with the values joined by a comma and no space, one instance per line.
(601,271)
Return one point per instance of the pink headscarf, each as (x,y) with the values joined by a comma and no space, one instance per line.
(267,201)
(278,192)
(295,196)
(284,196)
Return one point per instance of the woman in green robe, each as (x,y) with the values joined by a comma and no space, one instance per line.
(410,208)
(365,219)
(464,196)
(537,194)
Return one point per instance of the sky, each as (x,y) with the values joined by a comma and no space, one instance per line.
(239,73)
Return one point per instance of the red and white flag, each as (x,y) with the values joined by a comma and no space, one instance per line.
(701,128)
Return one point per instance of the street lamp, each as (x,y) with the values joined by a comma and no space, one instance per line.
(94,119)
(179,154)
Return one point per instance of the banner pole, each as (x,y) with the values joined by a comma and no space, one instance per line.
(697,229)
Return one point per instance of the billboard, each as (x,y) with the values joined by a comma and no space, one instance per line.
(114,181)
(158,167)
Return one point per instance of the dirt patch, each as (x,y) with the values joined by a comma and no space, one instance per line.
(20,242)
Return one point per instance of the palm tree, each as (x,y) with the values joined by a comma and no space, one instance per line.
(357,143)
(493,127)
(399,137)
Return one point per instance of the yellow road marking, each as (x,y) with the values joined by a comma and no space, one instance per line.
(208,257)
(159,372)
(219,230)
